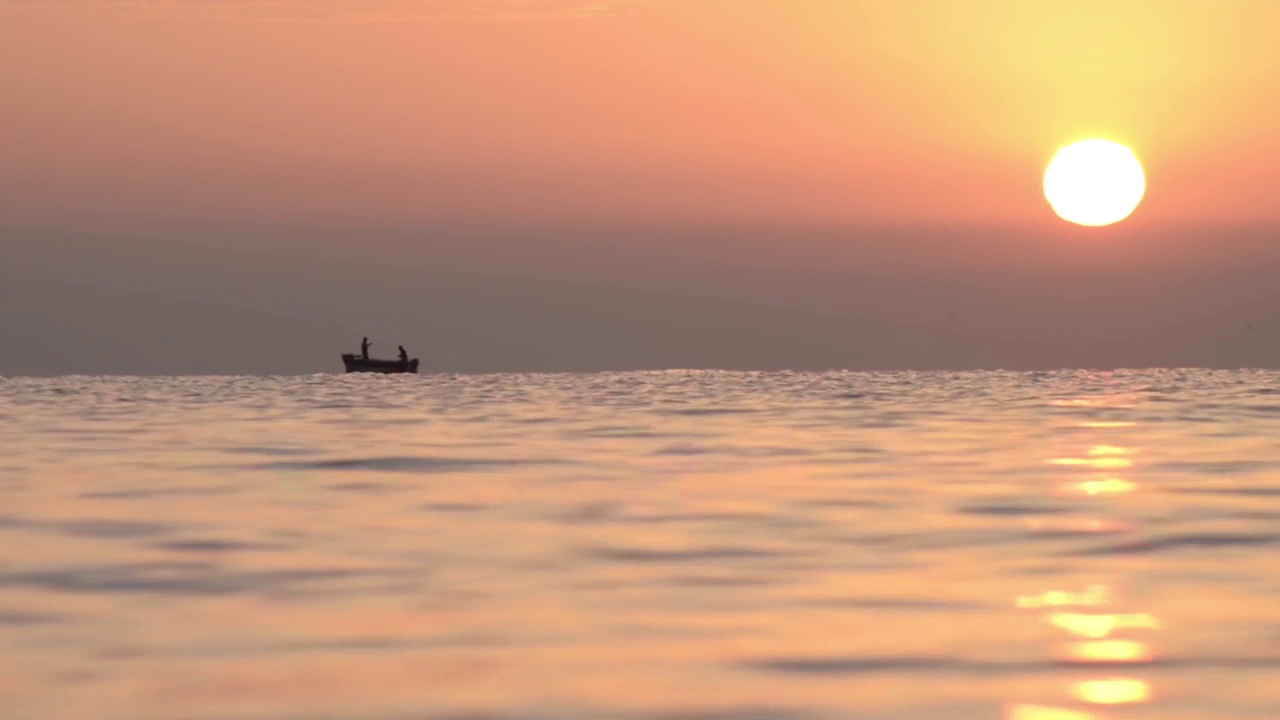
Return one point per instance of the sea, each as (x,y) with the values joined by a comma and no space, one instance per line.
(680,545)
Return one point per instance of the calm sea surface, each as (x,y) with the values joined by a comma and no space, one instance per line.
(674,546)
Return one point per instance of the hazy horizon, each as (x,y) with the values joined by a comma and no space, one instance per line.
(491,304)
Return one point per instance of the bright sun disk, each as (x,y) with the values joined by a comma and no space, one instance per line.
(1094,182)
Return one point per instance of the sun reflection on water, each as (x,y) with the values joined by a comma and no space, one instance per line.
(1098,626)
(1107,641)
(1109,651)
(1092,596)
(1043,712)
(1113,691)
(1102,463)
(1109,485)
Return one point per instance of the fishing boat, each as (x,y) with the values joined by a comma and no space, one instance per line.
(359,364)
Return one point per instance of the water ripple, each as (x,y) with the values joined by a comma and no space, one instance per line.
(675,545)
(402,464)
(177,578)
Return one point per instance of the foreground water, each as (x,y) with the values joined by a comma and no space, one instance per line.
(677,546)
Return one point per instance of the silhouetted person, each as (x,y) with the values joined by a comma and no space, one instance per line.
(364,348)
(404,356)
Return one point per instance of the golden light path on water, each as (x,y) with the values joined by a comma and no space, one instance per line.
(1116,642)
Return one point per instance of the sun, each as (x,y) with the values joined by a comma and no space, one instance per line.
(1094,182)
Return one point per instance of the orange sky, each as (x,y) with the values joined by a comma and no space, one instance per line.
(813,112)
(605,184)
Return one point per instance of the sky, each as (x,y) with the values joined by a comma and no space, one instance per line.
(251,185)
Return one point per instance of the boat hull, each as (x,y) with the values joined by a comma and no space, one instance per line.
(357,364)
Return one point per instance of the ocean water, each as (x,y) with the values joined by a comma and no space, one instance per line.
(667,546)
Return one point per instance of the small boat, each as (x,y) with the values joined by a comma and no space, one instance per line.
(357,364)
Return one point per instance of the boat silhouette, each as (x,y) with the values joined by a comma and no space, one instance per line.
(359,364)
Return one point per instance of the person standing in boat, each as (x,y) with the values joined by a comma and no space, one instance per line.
(364,348)
(404,356)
